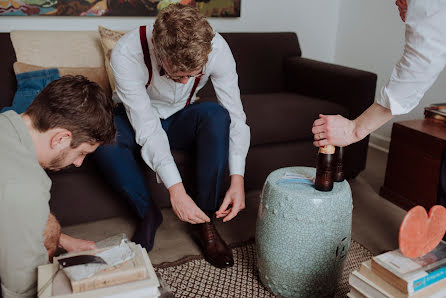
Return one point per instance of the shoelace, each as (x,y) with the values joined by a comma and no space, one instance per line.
(211,232)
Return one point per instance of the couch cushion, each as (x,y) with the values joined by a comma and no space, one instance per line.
(260,60)
(80,195)
(262,160)
(284,117)
(58,48)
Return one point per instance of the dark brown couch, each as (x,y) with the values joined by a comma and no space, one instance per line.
(282,95)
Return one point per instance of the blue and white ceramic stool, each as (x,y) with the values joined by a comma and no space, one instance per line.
(302,235)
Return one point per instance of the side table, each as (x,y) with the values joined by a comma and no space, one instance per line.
(302,235)
(413,164)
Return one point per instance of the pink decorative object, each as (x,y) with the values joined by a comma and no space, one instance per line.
(420,233)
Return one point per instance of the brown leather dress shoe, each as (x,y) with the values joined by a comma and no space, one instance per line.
(215,250)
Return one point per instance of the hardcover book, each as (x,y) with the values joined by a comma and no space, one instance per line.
(411,275)
(436,111)
(365,282)
(130,270)
(59,285)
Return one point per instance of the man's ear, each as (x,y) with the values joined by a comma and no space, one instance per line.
(60,139)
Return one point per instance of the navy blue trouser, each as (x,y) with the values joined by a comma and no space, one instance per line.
(201,129)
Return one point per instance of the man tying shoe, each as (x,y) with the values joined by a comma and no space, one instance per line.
(158,70)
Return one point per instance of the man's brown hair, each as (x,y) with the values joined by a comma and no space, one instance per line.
(183,37)
(78,105)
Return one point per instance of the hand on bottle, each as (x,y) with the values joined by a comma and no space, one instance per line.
(333,130)
(184,207)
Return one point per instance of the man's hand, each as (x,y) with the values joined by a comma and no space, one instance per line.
(338,131)
(71,244)
(184,207)
(402,7)
(333,130)
(234,200)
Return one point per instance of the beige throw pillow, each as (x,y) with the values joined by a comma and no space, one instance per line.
(95,74)
(58,48)
(109,38)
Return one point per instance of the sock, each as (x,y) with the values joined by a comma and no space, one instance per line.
(145,232)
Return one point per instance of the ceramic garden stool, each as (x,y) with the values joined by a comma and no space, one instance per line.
(302,235)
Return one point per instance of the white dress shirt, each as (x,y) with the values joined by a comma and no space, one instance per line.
(423,59)
(164,97)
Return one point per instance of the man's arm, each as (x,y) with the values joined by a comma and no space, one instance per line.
(51,236)
(339,131)
(423,59)
(234,200)
(225,80)
(131,76)
(72,244)
(184,207)
(22,223)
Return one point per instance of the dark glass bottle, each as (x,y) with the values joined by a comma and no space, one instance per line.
(339,164)
(325,168)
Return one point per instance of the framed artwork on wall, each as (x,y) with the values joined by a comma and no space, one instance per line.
(210,8)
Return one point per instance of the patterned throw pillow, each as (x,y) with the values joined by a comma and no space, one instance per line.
(109,38)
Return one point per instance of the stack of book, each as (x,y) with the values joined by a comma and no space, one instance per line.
(392,274)
(436,111)
(133,278)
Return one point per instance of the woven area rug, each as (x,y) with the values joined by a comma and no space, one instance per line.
(194,277)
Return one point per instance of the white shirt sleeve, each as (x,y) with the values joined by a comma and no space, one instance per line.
(225,80)
(423,59)
(131,75)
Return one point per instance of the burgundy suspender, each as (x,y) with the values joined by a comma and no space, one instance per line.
(146,52)
(197,80)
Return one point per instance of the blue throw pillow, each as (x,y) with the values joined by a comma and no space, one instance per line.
(29,84)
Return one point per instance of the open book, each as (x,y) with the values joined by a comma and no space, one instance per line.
(122,281)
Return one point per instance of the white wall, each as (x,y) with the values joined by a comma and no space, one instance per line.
(371,37)
(315,22)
